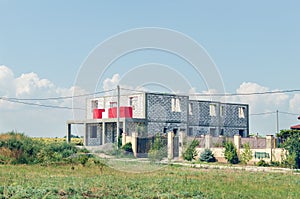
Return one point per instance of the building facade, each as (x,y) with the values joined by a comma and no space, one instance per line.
(151,113)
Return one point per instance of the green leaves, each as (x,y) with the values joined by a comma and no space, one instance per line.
(246,155)
(230,153)
(207,156)
(191,153)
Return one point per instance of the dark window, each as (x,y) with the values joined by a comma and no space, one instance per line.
(165,130)
(93,133)
(241,133)
(113,104)
(175,131)
(190,132)
(222,132)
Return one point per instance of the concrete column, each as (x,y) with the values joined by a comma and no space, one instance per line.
(123,139)
(208,141)
(170,145)
(68,133)
(86,135)
(134,143)
(103,133)
(269,141)
(270,145)
(124,126)
(181,139)
(237,142)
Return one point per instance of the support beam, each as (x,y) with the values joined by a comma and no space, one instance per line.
(170,145)
(69,129)
(118,116)
(103,133)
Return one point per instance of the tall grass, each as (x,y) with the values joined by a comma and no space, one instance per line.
(34,181)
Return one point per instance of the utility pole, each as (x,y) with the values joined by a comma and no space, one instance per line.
(118,115)
(277,122)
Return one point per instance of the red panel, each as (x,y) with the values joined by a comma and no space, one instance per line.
(125,112)
(97,113)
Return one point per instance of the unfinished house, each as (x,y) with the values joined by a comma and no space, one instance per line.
(150,113)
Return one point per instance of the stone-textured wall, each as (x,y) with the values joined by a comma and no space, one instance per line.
(137,100)
(226,120)
(94,141)
(111,132)
(161,115)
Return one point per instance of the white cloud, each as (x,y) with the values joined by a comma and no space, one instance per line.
(33,120)
(259,102)
(111,83)
(295,104)
(30,85)
(6,81)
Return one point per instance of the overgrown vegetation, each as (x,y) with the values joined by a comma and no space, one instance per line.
(262,163)
(128,147)
(291,142)
(158,149)
(190,153)
(16,148)
(246,155)
(207,156)
(230,153)
(35,181)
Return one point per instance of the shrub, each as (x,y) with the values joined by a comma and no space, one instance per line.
(262,163)
(127,147)
(230,153)
(158,149)
(17,148)
(191,153)
(246,155)
(207,156)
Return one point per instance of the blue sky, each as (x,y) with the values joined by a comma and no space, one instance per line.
(254,41)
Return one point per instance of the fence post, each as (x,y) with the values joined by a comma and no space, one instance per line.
(181,139)
(123,139)
(208,141)
(237,142)
(170,145)
(134,138)
(269,145)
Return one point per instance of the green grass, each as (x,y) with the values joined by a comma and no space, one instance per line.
(34,181)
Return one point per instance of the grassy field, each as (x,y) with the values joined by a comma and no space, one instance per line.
(65,181)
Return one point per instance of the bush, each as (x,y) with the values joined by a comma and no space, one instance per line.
(17,148)
(207,156)
(191,153)
(262,163)
(127,147)
(246,155)
(230,153)
(158,149)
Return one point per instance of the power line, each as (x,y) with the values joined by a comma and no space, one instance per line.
(41,105)
(264,113)
(225,94)
(269,113)
(55,98)
(287,113)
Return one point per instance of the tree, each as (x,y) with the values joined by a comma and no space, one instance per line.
(292,145)
(290,140)
(230,153)
(286,133)
(207,156)
(191,153)
(246,155)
